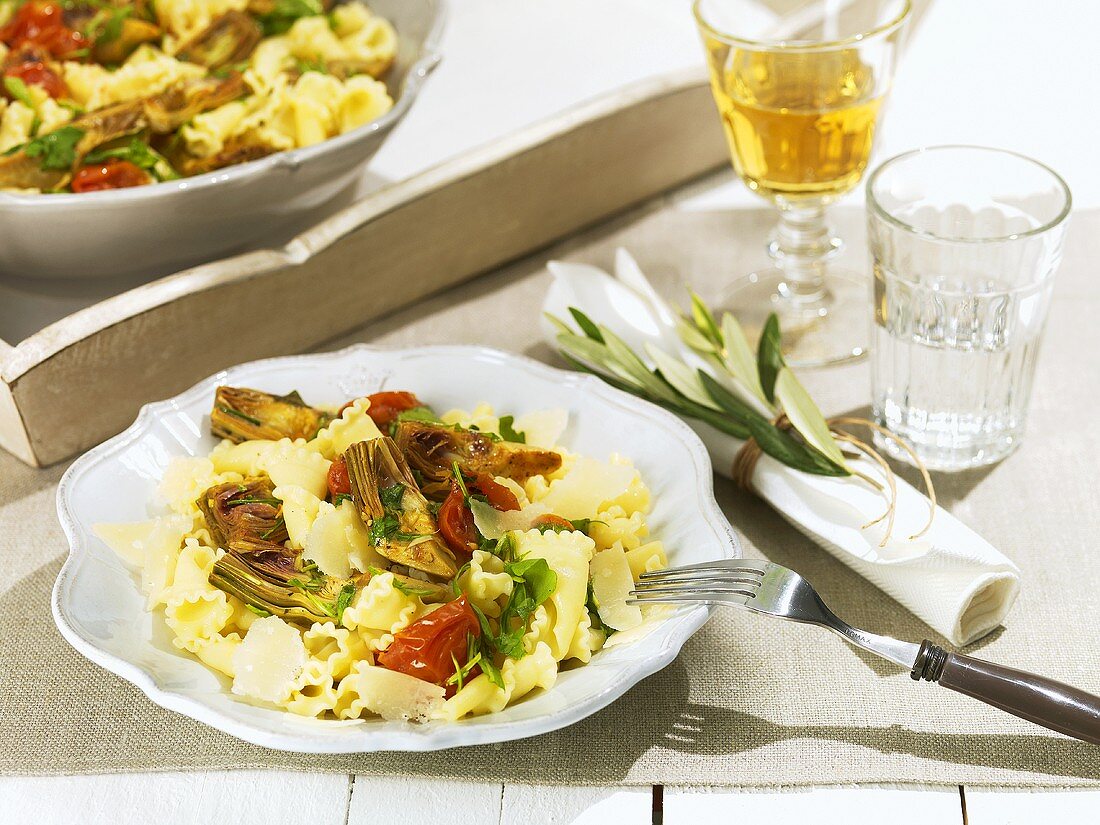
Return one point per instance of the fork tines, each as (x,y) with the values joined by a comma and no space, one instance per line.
(719,581)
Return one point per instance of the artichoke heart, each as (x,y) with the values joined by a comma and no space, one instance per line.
(245,518)
(230,38)
(304,598)
(433,450)
(395,511)
(241,414)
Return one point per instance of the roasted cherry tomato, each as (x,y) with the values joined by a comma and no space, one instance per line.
(550,520)
(498,496)
(429,648)
(42,25)
(384,406)
(456,523)
(112,174)
(338,481)
(37,73)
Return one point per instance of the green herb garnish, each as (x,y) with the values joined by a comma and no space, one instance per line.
(285,13)
(56,149)
(19,91)
(144,157)
(392,496)
(240,415)
(509,433)
(343,600)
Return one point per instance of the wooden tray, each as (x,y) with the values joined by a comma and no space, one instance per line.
(83,378)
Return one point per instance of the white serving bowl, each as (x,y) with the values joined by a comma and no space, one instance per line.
(156,229)
(100,611)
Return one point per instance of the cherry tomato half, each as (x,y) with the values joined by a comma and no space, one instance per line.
(429,648)
(498,496)
(43,25)
(37,73)
(456,523)
(112,174)
(550,520)
(338,481)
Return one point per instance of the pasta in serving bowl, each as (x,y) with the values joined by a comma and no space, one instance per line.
(417,578)
(230,120)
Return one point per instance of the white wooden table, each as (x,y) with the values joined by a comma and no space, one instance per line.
(1011,73)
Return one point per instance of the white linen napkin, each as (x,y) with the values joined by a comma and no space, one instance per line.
(950,577)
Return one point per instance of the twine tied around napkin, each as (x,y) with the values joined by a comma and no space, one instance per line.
(945,573)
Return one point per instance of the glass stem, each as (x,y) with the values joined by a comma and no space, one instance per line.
(801,245)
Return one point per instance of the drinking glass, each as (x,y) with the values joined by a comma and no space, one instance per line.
(964,242)
(800,100)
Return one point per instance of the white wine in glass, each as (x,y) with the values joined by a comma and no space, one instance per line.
(800,102)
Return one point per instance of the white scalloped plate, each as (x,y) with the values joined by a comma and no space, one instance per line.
(99,610)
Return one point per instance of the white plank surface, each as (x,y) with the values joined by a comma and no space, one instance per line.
(267,797)
(380,801)
(819,806)
(1001,807)
(540,805)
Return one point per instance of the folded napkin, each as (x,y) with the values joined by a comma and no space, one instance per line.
(950,577)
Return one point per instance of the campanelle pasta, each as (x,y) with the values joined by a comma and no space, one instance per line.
(387,561)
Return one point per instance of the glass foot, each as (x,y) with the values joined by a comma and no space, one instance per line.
(830,329)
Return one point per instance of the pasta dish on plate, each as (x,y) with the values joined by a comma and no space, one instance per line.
(388,560)
(109,94)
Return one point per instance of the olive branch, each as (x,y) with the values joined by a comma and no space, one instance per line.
(751,396)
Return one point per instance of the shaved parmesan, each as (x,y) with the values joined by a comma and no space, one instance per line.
(300,508)
(327,542)
(495,523)
(611,586)
(269,660)
(542,428)
(587,487)
(127,540)
(396,696)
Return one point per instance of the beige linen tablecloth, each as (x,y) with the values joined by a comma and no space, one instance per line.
(750,702)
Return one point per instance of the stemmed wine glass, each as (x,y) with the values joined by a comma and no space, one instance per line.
(800,98)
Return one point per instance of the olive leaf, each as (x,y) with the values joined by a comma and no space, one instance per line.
(700,395)
(738,358)
(586,325)
(704,320)
(691,336)
(680,376)
(769,356)
(805,416)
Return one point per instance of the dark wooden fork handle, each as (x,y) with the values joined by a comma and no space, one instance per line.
(1040,700)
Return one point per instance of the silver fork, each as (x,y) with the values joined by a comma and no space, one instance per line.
(767,588)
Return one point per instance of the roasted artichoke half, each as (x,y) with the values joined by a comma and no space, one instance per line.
(305,598)
(242,414)
(432,450)
(400,521)
(245,519)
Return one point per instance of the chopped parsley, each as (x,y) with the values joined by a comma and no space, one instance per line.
(141,155)
(392,496)
(112,28)
(285,13)
(57,149)
(508,431)
(343,600)
(19,91)
(341,498)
